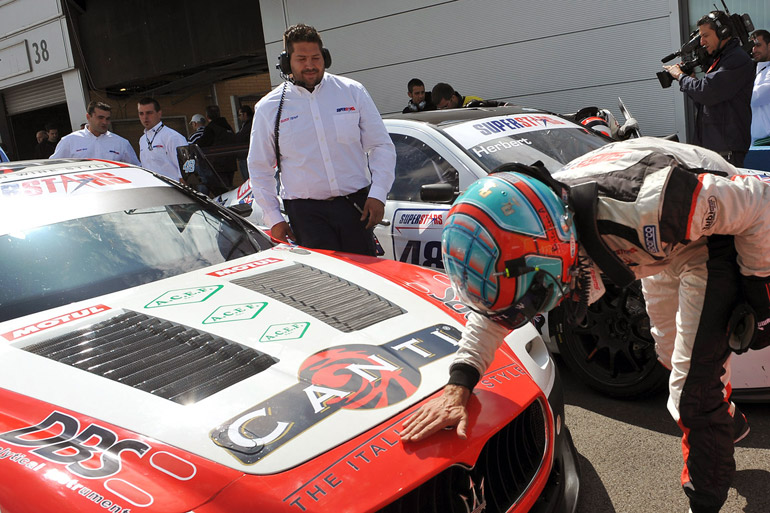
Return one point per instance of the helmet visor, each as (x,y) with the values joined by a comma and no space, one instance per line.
(532,303)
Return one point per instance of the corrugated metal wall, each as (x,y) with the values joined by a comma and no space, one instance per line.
(34,95)
(559,55)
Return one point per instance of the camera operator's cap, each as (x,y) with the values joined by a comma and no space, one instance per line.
(197,118)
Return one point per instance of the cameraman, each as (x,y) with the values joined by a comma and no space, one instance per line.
(723,96)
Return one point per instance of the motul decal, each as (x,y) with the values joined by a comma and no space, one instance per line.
(53,322)
(353,377)
(244,267)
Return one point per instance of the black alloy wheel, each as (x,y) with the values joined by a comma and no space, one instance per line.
(612,350)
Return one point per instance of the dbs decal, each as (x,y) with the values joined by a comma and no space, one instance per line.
(351,377)
(373,379)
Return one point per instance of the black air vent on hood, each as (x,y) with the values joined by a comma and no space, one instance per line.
(166,359)
(337,302)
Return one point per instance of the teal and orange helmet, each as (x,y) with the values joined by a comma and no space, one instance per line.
(509,247)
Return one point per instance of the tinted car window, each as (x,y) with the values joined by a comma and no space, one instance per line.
(75,259)
(417,164)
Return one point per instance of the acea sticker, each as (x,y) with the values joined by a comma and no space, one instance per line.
(286,331)
(229,313)
(184,296)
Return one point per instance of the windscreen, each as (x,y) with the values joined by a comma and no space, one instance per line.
(524,138)
(49,265)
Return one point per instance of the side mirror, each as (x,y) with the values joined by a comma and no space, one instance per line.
(438,193)
(242,209)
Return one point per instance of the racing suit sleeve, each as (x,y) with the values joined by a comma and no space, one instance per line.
(481,338)
(378,146)
(738,206)
(261,162)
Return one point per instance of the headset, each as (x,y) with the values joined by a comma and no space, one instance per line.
(284,66)
(722,23)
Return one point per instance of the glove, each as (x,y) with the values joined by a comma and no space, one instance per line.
(756,290)
(741,328)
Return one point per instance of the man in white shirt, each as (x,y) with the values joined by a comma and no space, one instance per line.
(95,141)
(337,161)
(760,96)
(157,147)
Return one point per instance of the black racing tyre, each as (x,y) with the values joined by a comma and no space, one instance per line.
(612,350)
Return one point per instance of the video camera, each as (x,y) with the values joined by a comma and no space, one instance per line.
(694,55)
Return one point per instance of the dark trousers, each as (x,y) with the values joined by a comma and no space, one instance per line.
(333,224)
(734,157)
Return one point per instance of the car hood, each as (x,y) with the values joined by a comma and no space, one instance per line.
(258,364)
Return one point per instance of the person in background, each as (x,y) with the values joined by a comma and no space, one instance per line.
(444,96)
(45,148)
(41,136)
(419,100)
(335,158)
(95,141)
(157,147)
(760,96)
(246,117)
(198,123)
(723,96)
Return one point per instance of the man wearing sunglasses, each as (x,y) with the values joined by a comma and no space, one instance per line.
(677,216)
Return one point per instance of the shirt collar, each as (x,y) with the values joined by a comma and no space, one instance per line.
(302,91)
(155,128)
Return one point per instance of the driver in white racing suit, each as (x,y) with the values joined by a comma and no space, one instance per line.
(677,216)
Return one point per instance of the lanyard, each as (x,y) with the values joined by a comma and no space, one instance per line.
(149,142)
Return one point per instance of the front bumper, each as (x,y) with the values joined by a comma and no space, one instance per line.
(560,494)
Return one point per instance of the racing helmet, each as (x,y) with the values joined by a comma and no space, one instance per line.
(509,248)
(599,120)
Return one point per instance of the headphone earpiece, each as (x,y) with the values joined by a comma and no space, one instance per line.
(722,23)
(284,65)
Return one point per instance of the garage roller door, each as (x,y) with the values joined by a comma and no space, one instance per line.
(34,95)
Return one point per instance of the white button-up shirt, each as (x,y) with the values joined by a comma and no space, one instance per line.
(162,157)
(85,145)
(333,143)
(760,103)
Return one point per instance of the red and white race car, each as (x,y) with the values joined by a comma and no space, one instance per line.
(160,354)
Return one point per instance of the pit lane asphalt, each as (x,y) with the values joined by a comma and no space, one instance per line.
(630,454)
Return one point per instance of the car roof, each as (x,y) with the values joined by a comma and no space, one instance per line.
(448,117)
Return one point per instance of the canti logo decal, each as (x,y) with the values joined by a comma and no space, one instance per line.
(184,296)
(352,377)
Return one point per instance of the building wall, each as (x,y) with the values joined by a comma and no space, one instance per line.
(559,55)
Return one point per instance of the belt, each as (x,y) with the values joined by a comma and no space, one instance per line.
(365,190)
